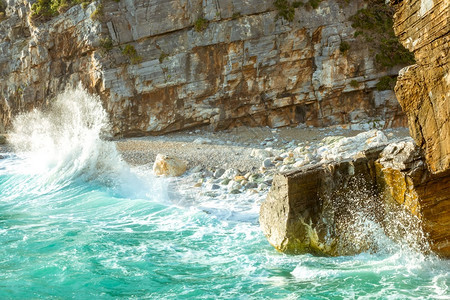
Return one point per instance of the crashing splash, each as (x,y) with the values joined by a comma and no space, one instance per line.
(66,140)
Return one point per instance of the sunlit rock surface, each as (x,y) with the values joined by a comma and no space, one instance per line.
(404,179)
(168,166)
(245,68)
(423,89)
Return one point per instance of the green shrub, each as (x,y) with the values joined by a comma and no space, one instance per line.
(162,57)
(314,3)
(132,54)
(236,15)
(344,47)
(46,9)
(97,14)
(386,83)
(354,83)
(2,6)
(285,10)
(375,26)
(200,24)
(106,44)
(297,4)
(2,10)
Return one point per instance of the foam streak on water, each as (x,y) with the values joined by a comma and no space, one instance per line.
(77,222)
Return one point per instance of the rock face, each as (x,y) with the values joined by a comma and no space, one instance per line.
(342,208)
(423,89)
(404,179)
(162,65)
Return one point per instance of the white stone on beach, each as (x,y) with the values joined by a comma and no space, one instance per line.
(260,153)
(168,166)
(218,173)
(229,173)
(196,169)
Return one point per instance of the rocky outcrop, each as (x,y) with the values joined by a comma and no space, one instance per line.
(342,208)
(162,65)
(404,179)
(423,89)
(311,210)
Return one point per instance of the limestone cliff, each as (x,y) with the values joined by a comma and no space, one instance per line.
(165,65)
(423,89)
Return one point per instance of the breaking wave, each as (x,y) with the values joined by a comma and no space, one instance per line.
(66,142)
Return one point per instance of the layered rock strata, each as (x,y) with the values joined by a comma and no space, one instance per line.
(342,208)
(404,179)
(162,66)
(423,89)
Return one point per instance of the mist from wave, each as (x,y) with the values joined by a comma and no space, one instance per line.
(66,142)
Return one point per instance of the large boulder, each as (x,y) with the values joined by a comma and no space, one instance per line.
(312,209)
(168,166)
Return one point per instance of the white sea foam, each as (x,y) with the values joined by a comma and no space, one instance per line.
(66,141)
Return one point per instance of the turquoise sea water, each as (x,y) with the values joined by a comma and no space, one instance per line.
(78,223)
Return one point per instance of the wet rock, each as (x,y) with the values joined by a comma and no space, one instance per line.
(254,178)
(233,185)
(218,173)
(423,92)
(225,181)
(301,211)
(207,173)
(213,187)
(404,179)
(267,163)
(197,169)
(239,178)
(251,185)
(166,165)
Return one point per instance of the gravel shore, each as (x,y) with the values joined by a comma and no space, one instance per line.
(227,149)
